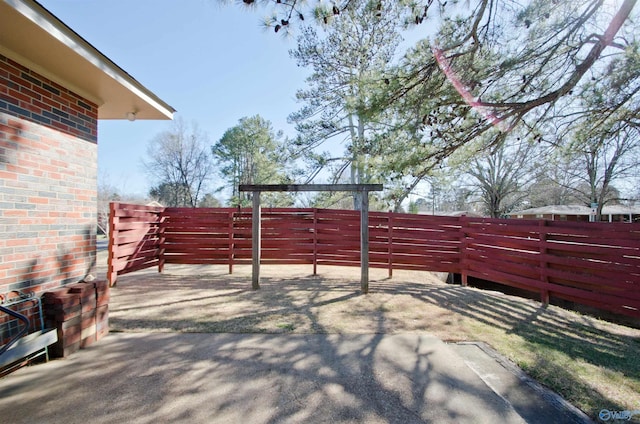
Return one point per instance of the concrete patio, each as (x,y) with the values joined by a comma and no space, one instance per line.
(266,378)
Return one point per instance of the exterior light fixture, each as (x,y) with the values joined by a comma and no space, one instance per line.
(131,116)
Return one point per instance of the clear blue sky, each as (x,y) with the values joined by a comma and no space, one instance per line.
(213,63)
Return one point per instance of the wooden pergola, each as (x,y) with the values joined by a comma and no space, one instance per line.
(256,222)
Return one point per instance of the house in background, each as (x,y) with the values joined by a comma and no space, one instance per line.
(54,87)
(620,213)
(579,213)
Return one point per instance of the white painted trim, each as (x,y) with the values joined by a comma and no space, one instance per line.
(61,32)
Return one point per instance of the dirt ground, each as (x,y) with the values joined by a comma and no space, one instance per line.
(291,299)
(196,298)
(206,298)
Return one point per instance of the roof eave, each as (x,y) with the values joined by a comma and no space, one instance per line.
(33,36)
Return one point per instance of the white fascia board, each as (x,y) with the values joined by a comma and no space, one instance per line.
(58,30)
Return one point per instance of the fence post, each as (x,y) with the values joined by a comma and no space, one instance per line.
(315,241)
(364,242)
(544,276)
(161,239)
(112,275)
(390,242)
(255,241)
(231,240)
(464,227)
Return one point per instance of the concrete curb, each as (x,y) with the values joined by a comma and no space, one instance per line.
(567,411)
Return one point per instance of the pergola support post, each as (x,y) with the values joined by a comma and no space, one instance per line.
(256,222)
(364,242)
(256,225)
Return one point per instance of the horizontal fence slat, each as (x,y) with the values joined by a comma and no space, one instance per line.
(570,259)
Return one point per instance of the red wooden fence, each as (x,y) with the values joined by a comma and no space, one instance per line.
(596,264)
(134,239)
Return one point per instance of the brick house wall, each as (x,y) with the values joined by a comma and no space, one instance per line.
(48,180)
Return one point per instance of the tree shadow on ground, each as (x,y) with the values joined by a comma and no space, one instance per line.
(548,332)
(297,377)
(301,304)
(257,379)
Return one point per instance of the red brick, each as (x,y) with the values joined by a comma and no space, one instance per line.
(17,67)
(19,96)
(39,200)
(102,322)
(40,104)
(62,303)
(63,351)
(17,169)
(16,242)
(46,96)
(103,300)
(58,314)
(88,319)
(102,293)
(8,175)
(102,313)
(88,341)
(61,127)
(71,326)
(88,337)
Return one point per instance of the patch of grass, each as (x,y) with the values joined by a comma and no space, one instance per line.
(593,366)
(286,326)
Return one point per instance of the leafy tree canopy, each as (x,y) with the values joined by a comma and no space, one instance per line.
(555,72)
(252,153)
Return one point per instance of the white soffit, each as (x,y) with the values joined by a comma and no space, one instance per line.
(33,37)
